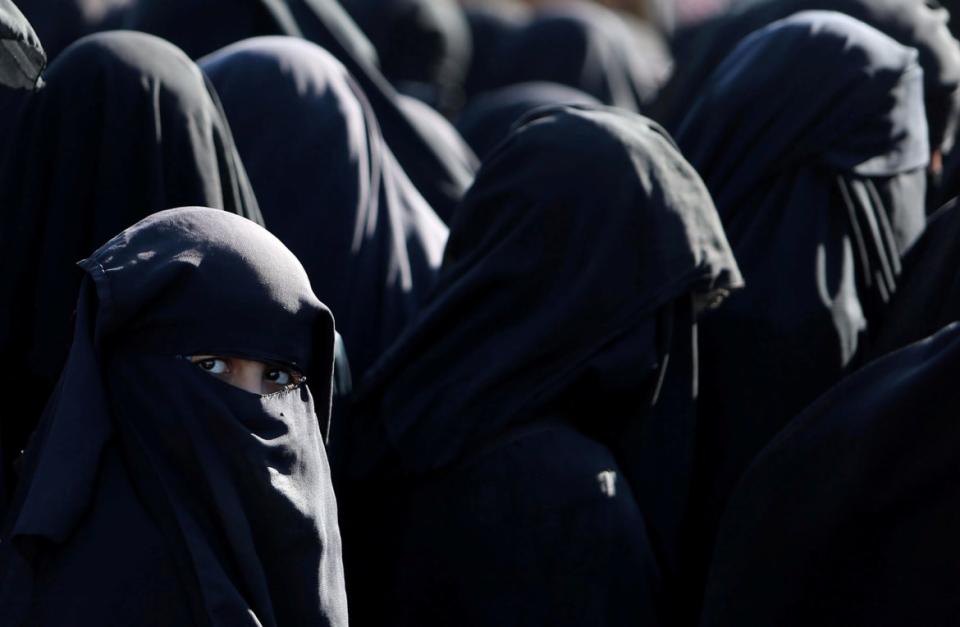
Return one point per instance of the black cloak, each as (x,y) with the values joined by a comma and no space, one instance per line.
(488,119)
(919,24)
(203,26)
(928,297)
(586,46)
(423,46)
(22,58)
(329,187)
(812,139)
(156,493)
(850,516)
(126,126)
(515,415)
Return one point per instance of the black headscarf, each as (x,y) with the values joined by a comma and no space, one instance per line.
(236,483)
(329,186)
(928,297)
(919,24)
(490,23)
(572,259)
(126,126)
(586,46)
(423,46)
(59,23)
(812,139)
(849,517)
(22,58)
(543,273)
(487,120)
(203,26)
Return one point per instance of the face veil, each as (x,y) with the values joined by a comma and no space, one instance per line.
(237,483)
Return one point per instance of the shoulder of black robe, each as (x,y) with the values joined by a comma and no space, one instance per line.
(488,118)
(329,187)
(928,297)
(588,47)
(237,483)
(22,58)
(918,24)
(59,23)
(125,126)
(812,139)
(423,46)
(849,516)
(550,262)
(203,26)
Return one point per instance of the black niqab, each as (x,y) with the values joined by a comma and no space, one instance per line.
(812,139)
(203,26)
(849,517)
(488,119)
(423,46)
(236,483)
(581,243)
(22,58)
(587,47)
(919,24)
(59,23)
(126,126)
(330,188)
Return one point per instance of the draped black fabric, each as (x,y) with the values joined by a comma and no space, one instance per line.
(812,139)
(126,126)
(22,58)
(59,23)
(849,517)
(490,23)
(487,120)
(330,188)
(203,26)
(919,24)
(572,258)
(423,46)
(928,297)
(229,491)
(588,47)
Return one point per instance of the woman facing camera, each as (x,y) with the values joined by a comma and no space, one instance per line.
(178,476)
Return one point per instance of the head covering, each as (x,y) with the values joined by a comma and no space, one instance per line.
(542,274)
(237,482)
(488,119)
(567,281)
(586,46)
(59,23)
(203,26)
(812,139)
(423,45)
(928,297)
(125,127)
(490,23)
(329,186)
(22,58)
(919,24)
(849,516)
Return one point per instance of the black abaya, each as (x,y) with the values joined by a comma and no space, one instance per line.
(156,493)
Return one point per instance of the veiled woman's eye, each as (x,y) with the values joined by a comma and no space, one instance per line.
(283,377)
(213,365)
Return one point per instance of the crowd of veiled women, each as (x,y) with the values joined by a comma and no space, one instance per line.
(564,314)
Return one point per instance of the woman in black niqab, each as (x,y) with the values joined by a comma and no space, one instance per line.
(204,26)
(510,430)
(811,136)
(126,126)
(329,187)
(155,493)
(850,516)
(585,46)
